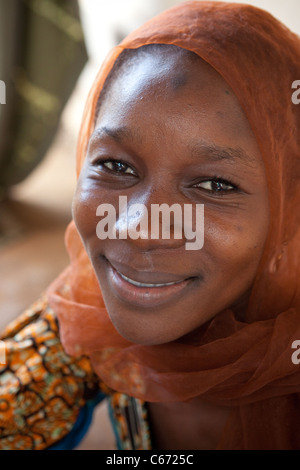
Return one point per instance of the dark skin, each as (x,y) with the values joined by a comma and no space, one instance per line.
(164,136)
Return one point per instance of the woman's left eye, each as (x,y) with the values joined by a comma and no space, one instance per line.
(216,186)
(118,167)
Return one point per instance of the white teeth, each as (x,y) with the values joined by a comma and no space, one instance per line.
(142,284)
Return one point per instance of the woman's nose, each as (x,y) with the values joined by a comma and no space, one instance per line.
(149,224)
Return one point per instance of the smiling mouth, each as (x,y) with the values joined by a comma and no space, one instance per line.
(140,294)
(143,284)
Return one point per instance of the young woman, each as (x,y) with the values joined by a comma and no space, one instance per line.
(194,348)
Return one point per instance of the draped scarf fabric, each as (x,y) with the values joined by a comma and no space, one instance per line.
(244,364)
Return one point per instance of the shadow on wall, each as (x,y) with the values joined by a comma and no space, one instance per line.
(32,252)
(42,55)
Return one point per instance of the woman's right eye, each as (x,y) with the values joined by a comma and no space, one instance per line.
(117,167)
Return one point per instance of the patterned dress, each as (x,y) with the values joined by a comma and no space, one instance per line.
(47,397)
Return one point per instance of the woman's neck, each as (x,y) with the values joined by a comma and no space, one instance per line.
(187,425)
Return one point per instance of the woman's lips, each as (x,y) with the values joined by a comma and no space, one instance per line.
(142,294)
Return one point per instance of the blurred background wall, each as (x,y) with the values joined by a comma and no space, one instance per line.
(39,40)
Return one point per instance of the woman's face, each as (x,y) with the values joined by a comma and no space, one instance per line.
(170,130)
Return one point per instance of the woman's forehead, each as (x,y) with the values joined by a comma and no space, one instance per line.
(162,76)
(161,88)
(164,61)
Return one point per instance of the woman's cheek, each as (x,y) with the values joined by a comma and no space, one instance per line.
(84,209)
(233,242)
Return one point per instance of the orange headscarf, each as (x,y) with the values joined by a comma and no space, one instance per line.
(246,364)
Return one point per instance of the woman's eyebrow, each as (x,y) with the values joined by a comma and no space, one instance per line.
(119,134)
(198,150)
(217,153)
